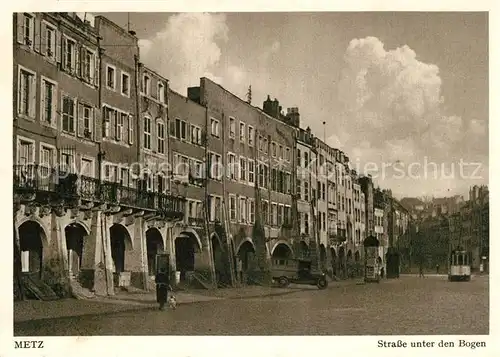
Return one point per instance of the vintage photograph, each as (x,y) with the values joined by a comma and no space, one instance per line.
(251,173)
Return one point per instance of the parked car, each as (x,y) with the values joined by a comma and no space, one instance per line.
(297,271)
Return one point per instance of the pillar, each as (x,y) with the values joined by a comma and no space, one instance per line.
(97,266)
(136,257)
(54,260)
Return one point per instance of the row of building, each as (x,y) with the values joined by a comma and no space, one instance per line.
(112,167)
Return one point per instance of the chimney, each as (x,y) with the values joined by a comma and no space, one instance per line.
(294,116)
(271,107)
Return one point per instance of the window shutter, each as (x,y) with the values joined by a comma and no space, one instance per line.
(42,101)
(20,27)
(171,124)
(97,132)
(113,124)
(58,47)
(188,132)
(130,129)
(32,32)
(32,94)
(37,34)
(81,124)
(97,68)
(77,54)
(43,39)
(63,52)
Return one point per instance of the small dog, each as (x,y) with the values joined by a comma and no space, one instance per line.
(172,302)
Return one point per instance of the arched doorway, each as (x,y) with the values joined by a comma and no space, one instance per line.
(281,253)
(334,261)
(245,256)
(186,246)
(303,250)
(357,256)
(322,256)
(31,245)
(75,235)
(120,241)
(154,245)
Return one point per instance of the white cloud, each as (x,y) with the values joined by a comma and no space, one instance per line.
(187,48)
(391,102)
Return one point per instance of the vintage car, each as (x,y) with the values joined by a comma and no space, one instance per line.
(297,271)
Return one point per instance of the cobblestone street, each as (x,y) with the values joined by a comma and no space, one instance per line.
(404,306)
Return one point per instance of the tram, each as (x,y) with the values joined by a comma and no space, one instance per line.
(460,265)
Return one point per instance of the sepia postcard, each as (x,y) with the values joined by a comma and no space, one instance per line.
(244,172)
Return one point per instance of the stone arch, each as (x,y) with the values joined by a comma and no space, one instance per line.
(187,244)
(120,243)
(246,256)
(46,231)
(281,251)
(154,245)
(81,223)
(75,233)
(32,240)
(243,241)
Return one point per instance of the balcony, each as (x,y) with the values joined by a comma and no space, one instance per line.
(335,238)
(43,183)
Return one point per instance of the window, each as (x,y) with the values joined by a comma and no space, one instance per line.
(69,54)
(251,136)
(195,135)
(273,149)
(27,93)
(125,84)
(232,127)
(26,151)
(261,175)
(110,77)
(324,221)
(232,208)
(286,215)
(67,162)
(299,159)
(266,146)
(87,65)
(25,29)
(242,132)
(48,98)
(47,158)
(120,120)
(214,125)
(231,166)
(306,191)
(299,189)
(85,121)
(243,169)
(181,165)
(243,210)
(147,133)
(160,131)
(180,129)
(306,223)
(48,40)
(280,151)
(161,93)
(306,159)
(146,84)
(251,171)
(68,116)
(265,211)
(215,166)
(280,215)
(274,214)
(287,154)
(87,167)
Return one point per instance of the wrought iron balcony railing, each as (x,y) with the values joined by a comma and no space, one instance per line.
(32,178)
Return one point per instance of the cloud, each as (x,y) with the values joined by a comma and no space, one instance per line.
(187,48)
(392,108)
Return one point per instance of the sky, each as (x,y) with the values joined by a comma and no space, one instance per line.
(405,95)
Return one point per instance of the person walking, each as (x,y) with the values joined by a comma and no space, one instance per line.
(421,269)
(162,285)
(437,268)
